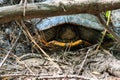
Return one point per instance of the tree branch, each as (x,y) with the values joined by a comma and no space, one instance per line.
(55,8)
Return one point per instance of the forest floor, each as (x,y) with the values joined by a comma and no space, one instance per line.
(21,59)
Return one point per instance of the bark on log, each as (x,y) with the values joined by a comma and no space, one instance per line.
(55,8)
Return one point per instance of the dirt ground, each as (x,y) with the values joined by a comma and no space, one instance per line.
(21,59)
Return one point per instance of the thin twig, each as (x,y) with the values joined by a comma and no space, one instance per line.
(18,59)
(23,3)
(48,76)
(108,29)
(21,24)
(10,50)
(82,64)
(33,55)
(104,33)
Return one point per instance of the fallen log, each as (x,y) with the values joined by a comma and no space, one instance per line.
(55,8)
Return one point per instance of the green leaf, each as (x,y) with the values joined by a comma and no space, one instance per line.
(110,36)
(107,14)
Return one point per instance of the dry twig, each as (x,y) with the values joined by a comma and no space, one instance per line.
(26,32)
(10,50)
(108,29)
(48,76)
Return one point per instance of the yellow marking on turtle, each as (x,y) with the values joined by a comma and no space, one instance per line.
(71,44)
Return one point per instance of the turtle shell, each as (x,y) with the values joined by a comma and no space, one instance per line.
(88,25)
(86,20)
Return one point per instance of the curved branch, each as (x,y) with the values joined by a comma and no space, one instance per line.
(55,8)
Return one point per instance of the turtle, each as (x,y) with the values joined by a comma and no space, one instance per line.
(70,30)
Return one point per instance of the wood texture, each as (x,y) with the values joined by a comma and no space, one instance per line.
(55,8)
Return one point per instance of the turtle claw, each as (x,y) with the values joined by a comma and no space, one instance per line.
(45,43)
